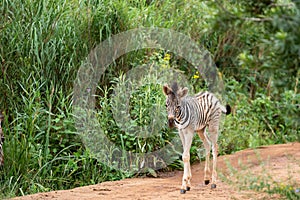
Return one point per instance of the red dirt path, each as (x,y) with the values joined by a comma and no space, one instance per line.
(281,162)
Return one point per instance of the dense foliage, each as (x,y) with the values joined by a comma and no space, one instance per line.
(255,45)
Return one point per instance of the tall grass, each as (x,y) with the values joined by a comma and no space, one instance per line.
(42,45)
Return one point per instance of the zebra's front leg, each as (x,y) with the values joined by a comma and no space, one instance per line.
(187,175)
(188,187)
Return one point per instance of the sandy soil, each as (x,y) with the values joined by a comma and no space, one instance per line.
(281,163)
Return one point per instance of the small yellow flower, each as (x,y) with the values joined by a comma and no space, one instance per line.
(196,76)
(167,57)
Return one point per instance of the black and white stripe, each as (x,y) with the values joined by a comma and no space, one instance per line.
(197,111)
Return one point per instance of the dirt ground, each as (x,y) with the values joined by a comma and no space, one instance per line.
(281,163)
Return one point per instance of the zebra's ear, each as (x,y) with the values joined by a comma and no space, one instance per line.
(167,90)
(182,92)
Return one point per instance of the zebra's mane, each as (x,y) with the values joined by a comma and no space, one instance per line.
(174,87)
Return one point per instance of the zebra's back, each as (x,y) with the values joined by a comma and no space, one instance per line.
(203,109)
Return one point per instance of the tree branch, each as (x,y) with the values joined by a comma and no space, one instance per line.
(256,19)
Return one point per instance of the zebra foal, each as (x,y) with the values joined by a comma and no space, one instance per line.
(195,113)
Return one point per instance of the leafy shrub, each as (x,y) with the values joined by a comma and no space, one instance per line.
(260,121)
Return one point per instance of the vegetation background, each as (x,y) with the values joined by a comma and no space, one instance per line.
(255,45)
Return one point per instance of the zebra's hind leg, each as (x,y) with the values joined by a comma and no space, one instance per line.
(207,147)
(189,178)
(214,138)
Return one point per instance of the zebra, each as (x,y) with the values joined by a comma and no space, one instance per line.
(1,140)
(195,113)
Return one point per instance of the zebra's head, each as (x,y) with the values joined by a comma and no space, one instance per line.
(1,141)
(174,96)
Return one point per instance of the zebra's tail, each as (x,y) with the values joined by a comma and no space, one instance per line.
(226,110)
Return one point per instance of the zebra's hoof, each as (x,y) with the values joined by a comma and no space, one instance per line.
(213,186)
(188,188)
(182,191)
(206,182)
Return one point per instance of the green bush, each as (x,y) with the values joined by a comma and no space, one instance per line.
(261,121)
